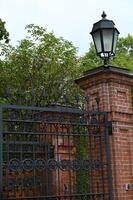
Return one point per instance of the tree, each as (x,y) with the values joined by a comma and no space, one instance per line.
(124,53)
(4,40)
(4,35)
(40,69)
(90,60)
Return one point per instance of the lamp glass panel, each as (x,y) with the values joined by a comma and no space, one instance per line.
(115,40)
(107,39)
(97,41)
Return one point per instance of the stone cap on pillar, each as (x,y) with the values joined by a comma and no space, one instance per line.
(105,74)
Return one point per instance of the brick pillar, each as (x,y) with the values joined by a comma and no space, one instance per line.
(113,86)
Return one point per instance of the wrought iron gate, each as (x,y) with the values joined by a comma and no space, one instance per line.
(54,153)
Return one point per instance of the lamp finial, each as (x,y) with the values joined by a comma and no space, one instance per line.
(103,15)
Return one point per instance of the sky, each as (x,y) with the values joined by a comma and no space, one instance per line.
(70,19)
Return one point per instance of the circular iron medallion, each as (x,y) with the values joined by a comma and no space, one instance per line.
(40,164)
(52,164)
(75,164)
(65,165)
(15,165)
(28,164)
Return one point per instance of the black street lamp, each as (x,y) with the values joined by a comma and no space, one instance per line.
(105,37)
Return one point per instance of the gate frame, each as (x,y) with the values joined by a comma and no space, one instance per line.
(59,109)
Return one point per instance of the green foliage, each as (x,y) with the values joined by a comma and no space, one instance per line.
(4,40)
(124,53)
(42,63)
(43,67)
(82,153)
(90,60)
(4,35)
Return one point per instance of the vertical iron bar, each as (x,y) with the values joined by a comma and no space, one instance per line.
(14,151)
(90,157)
(58,157)
(78,156)
(1,155)
(49,171)
(49,153)
(69,156)
(7,148)
(51,156)
(35,148)
(100,135)
(87,157)
(46,157)
(108,157)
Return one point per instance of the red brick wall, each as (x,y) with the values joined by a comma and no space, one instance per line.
(114,89)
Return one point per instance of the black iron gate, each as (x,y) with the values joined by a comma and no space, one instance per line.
(54,153)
